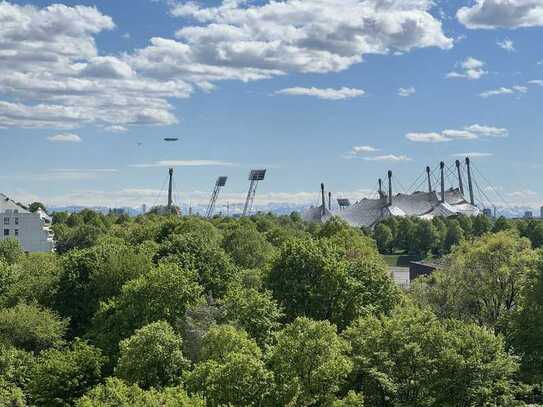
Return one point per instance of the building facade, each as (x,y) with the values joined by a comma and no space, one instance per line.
(32,230)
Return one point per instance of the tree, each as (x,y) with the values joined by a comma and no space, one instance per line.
(10,250)
(425,238)
(15,365)
(116,393)
(214,268)
(255,312)
(454,235)
(309,362)
(59,377)
(34,279)
(238,379)
(246,245)
(163,294)
(526,329)
(383,237)
(316,279)
(481,225)
(31,327)
(412,358)
(501,225)
(222,340)
(94,275)
(36,206)
(152,357)
(11,395)
(482,281)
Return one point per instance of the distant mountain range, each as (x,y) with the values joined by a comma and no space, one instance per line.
(279,208)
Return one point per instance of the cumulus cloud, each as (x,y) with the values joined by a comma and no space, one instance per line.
(492,14)
(471,69)
(51,75)
(65,138)
(507,45)
(326,94)
(472,132)
(504,91)
(537,82)
(248,41)
(116,129)
(405,92)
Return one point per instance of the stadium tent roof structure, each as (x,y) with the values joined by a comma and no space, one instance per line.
(424,205)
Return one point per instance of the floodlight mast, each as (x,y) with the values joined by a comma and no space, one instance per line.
(429,173)
(254,176)
(470,182)
(389,188)
(170,190)
(460,181)
(442,167)
(221,182)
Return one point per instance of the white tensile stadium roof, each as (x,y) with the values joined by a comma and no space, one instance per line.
(424,205)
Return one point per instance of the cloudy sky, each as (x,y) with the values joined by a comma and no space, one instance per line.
(314,90)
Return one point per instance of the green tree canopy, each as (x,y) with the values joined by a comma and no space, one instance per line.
(411,358)
(59,377)
(482,281)
(152,357)
(310,363)
(10,250)
(31,327)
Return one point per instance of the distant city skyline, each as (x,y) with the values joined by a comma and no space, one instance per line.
(334,91)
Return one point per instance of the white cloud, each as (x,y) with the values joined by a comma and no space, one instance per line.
(427,137)
(388,157)
(487,131)
(504,91)
(186,163)
(537,82)
(471,69)
(52,77)
(405,92)
(473,155)
(116,129)
(507,45)
(248,41)
(472,132)
(65,138)
(326,94)
(364,149)
(492,14)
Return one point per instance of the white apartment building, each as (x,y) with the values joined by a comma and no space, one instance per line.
(32,230)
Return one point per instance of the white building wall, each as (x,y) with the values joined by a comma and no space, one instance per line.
(32,230)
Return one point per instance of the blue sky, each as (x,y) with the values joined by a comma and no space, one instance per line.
(338,91)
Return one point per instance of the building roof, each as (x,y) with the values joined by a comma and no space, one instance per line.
(424,205)
(8,204)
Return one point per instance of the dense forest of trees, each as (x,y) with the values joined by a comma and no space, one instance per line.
(271,311)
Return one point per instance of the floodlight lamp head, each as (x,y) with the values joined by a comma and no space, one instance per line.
(257,175)
(170,171)
(389,174)
(442,165)
(428,170)
(457,163)
(467,160)
(221,181)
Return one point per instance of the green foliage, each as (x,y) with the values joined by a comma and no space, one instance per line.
(526,328)
(59,377)
(383,237)
(411,358)
(152,357)
(93,275)
(352,399)
(10,250)
(482,281)
(15,366)
(165,293)
(36,206)
(31,327)
(215,270)
(315,278)
(222,340)
(116,393)
(310,363)
(255,312)
(246,245)
(34,279)
(11,395)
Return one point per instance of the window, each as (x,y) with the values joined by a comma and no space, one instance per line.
(16,221)
(16,232)
(6,232)
(6,221)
